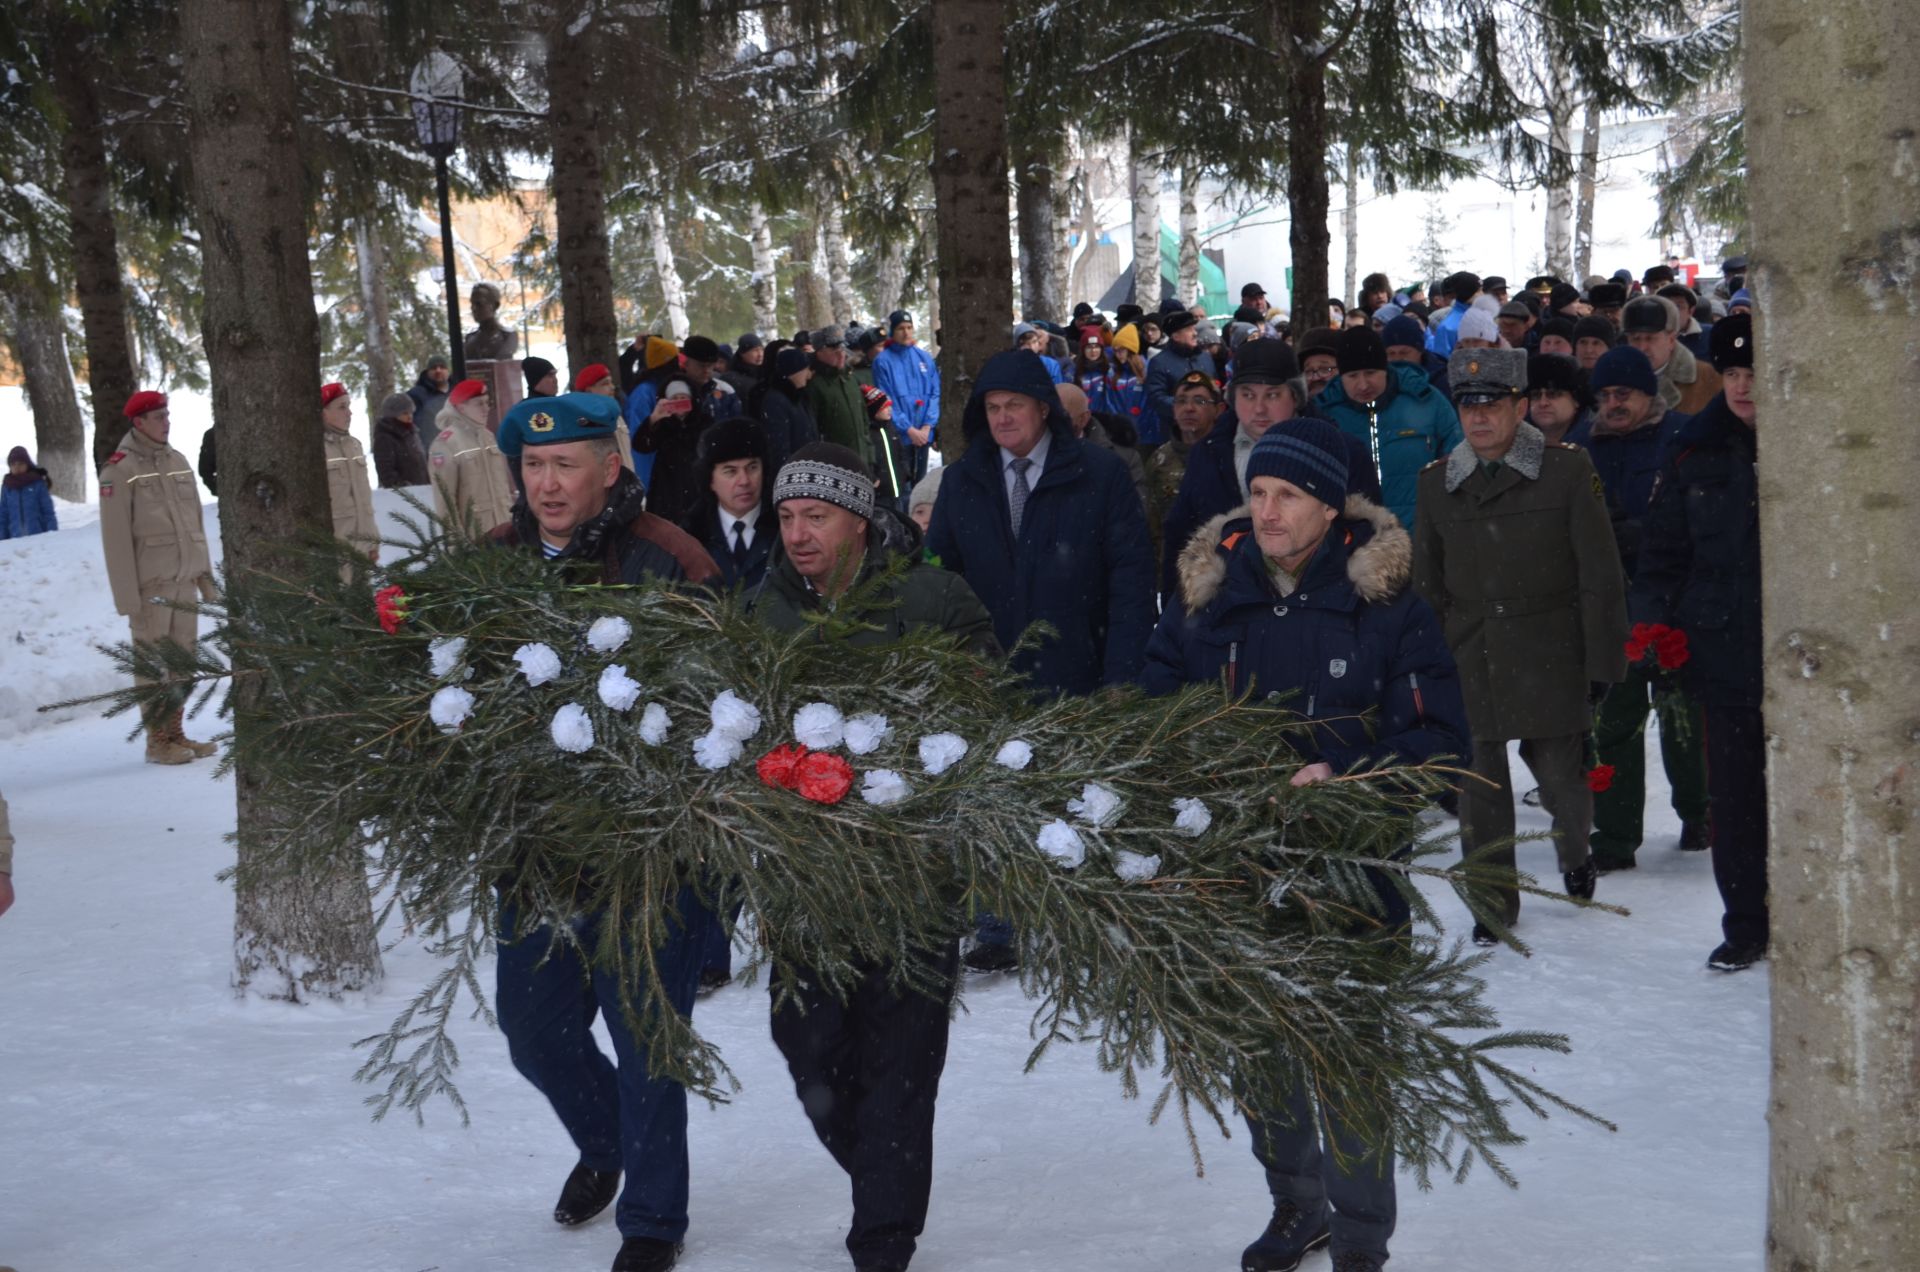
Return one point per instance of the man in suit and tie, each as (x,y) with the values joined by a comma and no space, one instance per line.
(734,518)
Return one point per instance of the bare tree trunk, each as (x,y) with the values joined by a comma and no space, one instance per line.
(1143,183)
(766,276)
(1062,226)
(311,936)
(671,287)
(1299,33)
(1034,206)
(890,277)
(1559,237)
(833,233)
(1350,227)
(1589,188)
(1189,280)
(1832,107)
(39,340)
(1084,285)
(97,286)
(932,339)
(370,255)
(970,197)
(579,193)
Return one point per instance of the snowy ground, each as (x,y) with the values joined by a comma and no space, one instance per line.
(149,1120)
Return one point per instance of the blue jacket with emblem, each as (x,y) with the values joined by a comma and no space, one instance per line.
(908,375)
(1083,562)
(1414,426)
(1362,655)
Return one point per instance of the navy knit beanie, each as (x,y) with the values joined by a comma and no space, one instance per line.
(1404,330)
(1625,367)
(1307,452)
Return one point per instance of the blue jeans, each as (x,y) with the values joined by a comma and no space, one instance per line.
(1360,1196)
(621,1118)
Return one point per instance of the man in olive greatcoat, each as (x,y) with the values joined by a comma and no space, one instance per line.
(1513,547)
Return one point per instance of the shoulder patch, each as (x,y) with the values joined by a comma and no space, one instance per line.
(106,490)
(1435,463)
(439,461)
(1566,446)
(116,457)
(1233,540)
(445,435)
(1599,487)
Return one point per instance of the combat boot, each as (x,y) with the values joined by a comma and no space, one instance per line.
(176,728)
(1290,1237)
(162,749)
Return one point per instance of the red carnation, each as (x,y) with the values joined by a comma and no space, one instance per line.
(824,778)
(1636,650)
(781,766)
(1600,778)
(390,603)
(1671,649)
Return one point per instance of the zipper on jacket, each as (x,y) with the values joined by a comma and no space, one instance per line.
(1419,704)
(1233,668)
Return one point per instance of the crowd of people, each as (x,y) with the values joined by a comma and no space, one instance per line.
(1445,522)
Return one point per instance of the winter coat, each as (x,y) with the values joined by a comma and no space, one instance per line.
(349,493)
(1410,427)
(705,526)
(839,411)
(1164,374)
(1629,464)
(1082,563)
(628,544)
(1101,435)
(398,459)
(427,403)
(783,411)
(1519,562)
(1699,566)
(151,525)
(26,505)
(1115,390)
(713,401)
(473,489)
(1686,383)
(907,374)
(210,461)
(1350,647)
(924,596)
(1445,333)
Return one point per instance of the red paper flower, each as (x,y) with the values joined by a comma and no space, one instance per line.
(1671,649)
(780,766)
(824,778)
(1600,778)
(390,603)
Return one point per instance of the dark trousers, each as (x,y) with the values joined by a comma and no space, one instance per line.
(1360,1195)
(717,949)
(620,1118)
(1737,782)
(1619,738)
(1486,811)
(867,1071)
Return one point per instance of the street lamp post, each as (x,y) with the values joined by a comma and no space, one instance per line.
(436,88)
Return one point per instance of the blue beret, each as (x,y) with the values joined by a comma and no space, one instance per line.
(548,421)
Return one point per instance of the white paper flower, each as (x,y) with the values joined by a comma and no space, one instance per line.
(734,717)
(1015,755)
(653,724)
(572,728)
(1096,804)
(446,654)
(1063,843)
(884,786)
(941,751)
(1135,867)
(819,725)
(538,663)
(451,707)
(617,689)
(715,750)
(867,733)
(1192,816)
(608,634)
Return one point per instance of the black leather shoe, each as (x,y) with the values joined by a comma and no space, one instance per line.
(991,958)
(585,1194)
(1290,1237)
(1694,837)
(1580,880)
(646,1254)
(1734,956)
(1483,935)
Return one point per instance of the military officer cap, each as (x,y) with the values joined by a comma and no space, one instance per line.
(549,421)
(1487,375)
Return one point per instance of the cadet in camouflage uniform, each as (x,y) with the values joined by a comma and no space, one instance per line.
(349,492)
(156,548)
(473,488)
(1514,550)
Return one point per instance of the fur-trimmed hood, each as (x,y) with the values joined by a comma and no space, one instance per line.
(1379,558)
(1524,457)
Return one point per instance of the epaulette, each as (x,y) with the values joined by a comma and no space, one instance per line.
(114,458)
(1435,463)
(1566,446)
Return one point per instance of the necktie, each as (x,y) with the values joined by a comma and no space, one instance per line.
(1020,492)
(740,543)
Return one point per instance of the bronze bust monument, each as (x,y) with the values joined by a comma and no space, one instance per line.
(488,339)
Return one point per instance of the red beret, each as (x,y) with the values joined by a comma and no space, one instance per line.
(328,392)
(590,375)
(466,389)
(142,402)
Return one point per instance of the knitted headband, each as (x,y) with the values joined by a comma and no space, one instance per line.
(811,479)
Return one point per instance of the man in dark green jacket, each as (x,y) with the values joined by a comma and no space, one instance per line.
(867,1066)
(834,397)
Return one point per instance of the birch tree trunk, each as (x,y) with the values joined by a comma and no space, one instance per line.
(306,937)
(579,193)
(670,285)
(370,255)
(1143,181)
(1833,108)
(833,235)
(890,281)
(1589,188)
(39,340)
(766,275)
(970,198)
(1350,227)
(1189,280)
(1559,229)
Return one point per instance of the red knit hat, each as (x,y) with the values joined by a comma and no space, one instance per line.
(590,375)
(142,402)
(465,390)
(876,400)
(329,392)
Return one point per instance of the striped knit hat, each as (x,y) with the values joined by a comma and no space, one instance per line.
(1309,453)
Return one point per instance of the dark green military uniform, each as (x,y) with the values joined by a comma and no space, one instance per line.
(925,596)
(1518,559)
(833,395)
